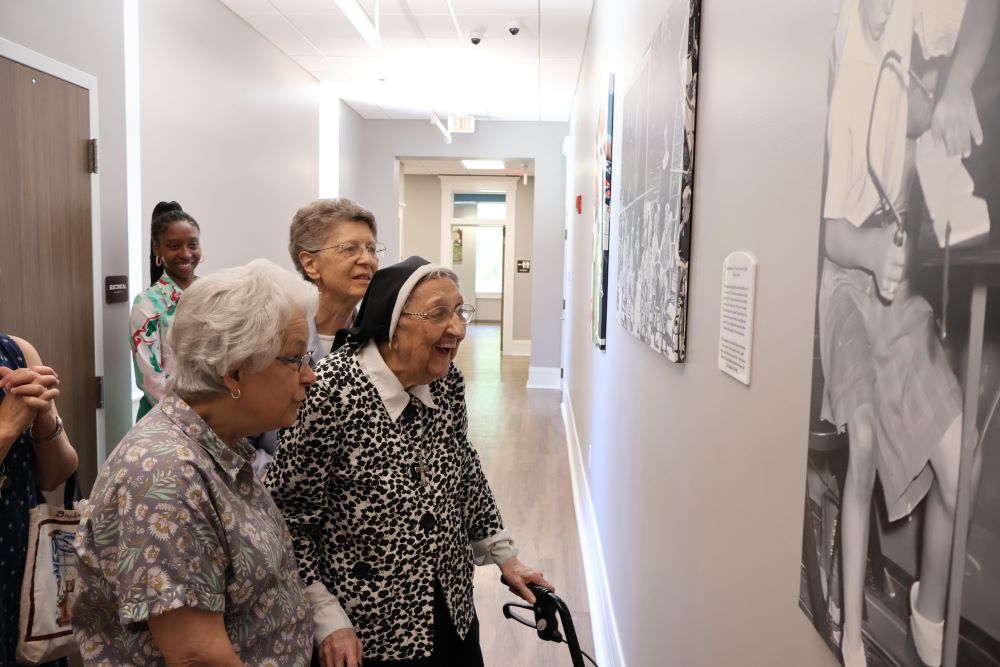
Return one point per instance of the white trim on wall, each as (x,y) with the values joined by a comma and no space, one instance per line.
(508,185)
(43,63)
(607,642)
(133,175)
(544,377)
(518,347)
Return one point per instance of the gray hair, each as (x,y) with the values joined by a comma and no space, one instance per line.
(233,319)
(313,223)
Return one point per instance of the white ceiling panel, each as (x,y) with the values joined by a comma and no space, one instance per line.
(243,7)
(423,65)
(281,33)
(565,6)
(472,7)
(436,25)
(306,6)
(564,35)
(314,64)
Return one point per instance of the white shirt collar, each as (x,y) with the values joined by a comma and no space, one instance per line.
(389,388)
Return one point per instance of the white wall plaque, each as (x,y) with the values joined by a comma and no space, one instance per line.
(739,279)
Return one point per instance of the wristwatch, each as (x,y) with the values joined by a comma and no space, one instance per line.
(48,438)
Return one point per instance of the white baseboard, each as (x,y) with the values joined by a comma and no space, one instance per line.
(518,347)
(544,377)
(607,643)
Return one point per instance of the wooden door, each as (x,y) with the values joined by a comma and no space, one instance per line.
(46,273)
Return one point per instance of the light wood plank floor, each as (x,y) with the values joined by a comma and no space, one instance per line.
(520,438)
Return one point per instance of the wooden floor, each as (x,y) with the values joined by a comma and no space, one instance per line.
(520,438)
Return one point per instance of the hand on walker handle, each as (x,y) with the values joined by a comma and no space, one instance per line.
(516,575)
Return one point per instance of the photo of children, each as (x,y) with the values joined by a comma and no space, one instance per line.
(909,186)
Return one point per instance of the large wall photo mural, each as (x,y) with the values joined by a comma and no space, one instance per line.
(657,173)
(901,538)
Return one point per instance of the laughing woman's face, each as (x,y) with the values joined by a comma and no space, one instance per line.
(422,350)
(179,247)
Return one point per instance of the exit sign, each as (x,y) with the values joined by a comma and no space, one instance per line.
(461,124)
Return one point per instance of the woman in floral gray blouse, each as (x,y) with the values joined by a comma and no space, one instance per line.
(184,558)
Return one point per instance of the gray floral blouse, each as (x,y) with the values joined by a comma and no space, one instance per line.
(178,519)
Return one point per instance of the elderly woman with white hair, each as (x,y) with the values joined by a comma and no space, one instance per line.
(384,494)
(184,557)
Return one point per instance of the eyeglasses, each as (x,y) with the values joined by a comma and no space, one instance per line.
(443,314)
(296,360)
(353,249)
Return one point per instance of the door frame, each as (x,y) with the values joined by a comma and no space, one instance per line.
(42,63)
(450,185)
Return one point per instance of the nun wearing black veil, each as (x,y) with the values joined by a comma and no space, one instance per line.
(384,495)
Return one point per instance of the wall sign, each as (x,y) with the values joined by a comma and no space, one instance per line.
(739,278)
(115,289)
(524,266)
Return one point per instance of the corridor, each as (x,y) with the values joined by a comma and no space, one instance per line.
(520,437)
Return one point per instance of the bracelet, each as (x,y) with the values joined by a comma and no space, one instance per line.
(48,438)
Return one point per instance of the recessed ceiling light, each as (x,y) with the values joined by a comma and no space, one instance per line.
(478,165)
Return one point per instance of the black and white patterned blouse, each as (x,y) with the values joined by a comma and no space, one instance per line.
(383,493)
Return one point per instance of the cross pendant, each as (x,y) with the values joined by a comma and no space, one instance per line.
(424,470)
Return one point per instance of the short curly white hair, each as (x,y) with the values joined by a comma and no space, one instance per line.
(233,319)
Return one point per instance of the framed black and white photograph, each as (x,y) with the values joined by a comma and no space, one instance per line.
(657,174)
(901,531)
(602,217)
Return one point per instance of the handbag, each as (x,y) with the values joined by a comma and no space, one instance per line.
(45,631)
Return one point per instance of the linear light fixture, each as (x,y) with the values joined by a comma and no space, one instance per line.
(364,24)
(436,122)
(482,165)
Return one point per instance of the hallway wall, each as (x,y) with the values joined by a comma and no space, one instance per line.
(696,480)
(421,233)
(386,140)
(230,129)
(351,155)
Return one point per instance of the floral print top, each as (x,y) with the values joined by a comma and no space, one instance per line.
(178,519)
(152,312)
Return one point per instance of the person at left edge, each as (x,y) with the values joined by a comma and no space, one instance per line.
(34,453)
(174,254)
(184,559)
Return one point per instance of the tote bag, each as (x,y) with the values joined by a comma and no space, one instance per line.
(50,578)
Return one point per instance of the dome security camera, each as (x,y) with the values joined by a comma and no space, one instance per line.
(475,37)
(513,27)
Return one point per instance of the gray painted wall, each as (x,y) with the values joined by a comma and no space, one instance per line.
(523,242)
(90,37)
(385,140)
(696,479)
(421,234)
(351,125)
(230,129)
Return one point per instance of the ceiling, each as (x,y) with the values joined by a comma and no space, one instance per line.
(441,167)
(424,66)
